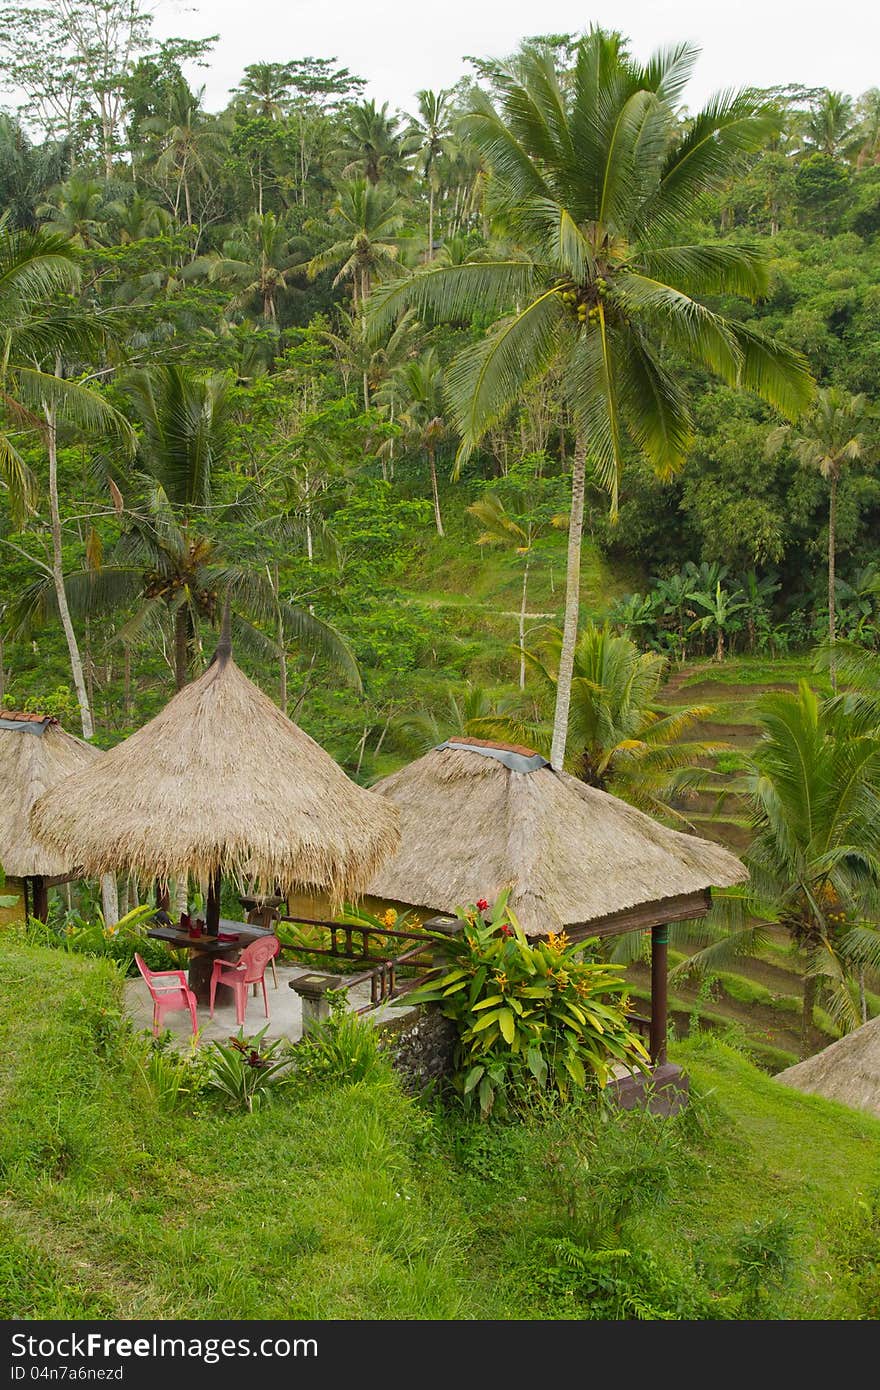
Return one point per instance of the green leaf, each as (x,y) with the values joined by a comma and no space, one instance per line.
(507,1025)
(473,1077)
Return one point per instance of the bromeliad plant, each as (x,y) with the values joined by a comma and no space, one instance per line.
(530,1015)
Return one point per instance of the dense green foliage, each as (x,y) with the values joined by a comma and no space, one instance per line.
(241,247)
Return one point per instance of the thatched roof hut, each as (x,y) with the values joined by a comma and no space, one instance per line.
(477,817)
(847,1070)
(35,754)
(222,782)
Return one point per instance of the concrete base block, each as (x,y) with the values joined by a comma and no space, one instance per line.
(664,1092)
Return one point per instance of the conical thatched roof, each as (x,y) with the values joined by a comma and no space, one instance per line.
(35,754)
(221,778)
(472,824)
(848,1070)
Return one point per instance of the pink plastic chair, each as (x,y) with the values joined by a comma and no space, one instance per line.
(168,991)
(250,969)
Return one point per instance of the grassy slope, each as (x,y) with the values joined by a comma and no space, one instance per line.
(356,1203)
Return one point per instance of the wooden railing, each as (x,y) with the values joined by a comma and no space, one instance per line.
(383,974)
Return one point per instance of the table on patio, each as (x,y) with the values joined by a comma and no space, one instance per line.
(204,950)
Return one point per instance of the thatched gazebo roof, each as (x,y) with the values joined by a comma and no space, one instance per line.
(477,817)
(847,1070)
(35,754)
(221,781)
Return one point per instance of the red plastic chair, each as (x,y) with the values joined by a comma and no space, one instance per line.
(168,991)
(250,969)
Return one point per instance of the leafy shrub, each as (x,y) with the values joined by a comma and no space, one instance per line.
(248,1071)
(763,1260)
(617,1283)
(343,1048)
(530,1016)
(119,942)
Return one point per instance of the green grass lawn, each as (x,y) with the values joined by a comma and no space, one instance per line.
(354,1201)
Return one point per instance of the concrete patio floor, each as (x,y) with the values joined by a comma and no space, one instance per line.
(285,1013)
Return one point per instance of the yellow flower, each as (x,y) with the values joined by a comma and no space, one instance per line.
(111,931)
(557,942)
(501,980)
(69,930)
(389,918)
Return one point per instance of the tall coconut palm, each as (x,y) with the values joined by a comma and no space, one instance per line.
(428,130)
(828,439)
(258,260)
(41,326)
(829,125)
(369,219)
(373,144)
(423,419)
(814,861)
(598,180)
(501,527)
(184,146)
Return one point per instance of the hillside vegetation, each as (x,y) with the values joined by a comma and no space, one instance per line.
(352,1200)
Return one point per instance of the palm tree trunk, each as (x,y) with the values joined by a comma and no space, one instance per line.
(438,519)
(572,604)
(832,611)
(182,644)
(282,653)
(807,1017)
(431,221)
(76,666)
(522,629)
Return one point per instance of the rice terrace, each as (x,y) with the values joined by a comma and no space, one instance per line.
(439,682)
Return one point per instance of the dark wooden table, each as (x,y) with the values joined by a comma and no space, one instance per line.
(204,950)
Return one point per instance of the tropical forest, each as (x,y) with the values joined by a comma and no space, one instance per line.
(539,420)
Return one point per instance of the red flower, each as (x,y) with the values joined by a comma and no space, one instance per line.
(482,904)
(505,929)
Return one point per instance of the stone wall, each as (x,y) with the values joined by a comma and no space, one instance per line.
(422,1047)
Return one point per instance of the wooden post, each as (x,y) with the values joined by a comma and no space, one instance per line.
(163,897)
(27,907)
(659,1000)
(212,909)
(41,898)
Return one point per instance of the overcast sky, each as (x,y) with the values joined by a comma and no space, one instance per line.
(401,47)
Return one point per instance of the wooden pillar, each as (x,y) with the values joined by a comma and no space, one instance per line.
(212,909)
(659,998)
(25,887)
(163,897)
(41,898)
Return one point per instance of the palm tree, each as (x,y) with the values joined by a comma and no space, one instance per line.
(430,129)
(136,219)
(828,439)
(421,384)
(185,145)
(814,860)
(829,126)
(369,219)
(167,562)
(596,178)
(502,528)
(73,211)
(867,133)
(372,143)
(38,272)
(258,260)
(619,739)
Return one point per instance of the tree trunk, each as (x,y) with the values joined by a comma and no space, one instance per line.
(436,495)
(2,670)
(832,609)
(282,653)
(807,1017)
(181,647)
(719,645)
(76,666)
(522,629)
(126,682)
(430,221)
(572,605)
(109,900)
